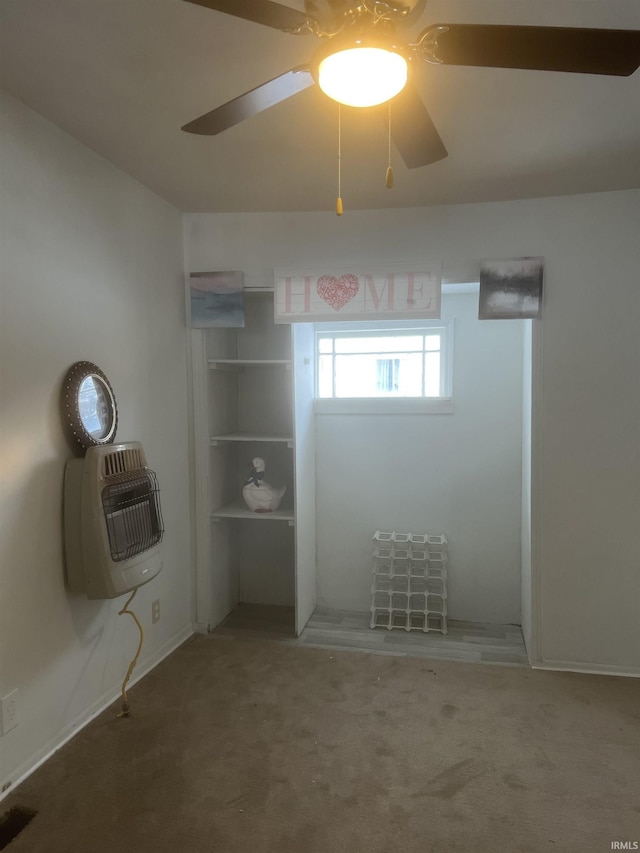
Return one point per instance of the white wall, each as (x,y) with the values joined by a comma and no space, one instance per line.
(457,474)
(91,269)
(526,602)
(586,419)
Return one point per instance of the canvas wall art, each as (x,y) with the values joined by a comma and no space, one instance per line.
(511,289)
(217,299)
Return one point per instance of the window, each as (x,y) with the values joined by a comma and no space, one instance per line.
(400,360)
(387,371)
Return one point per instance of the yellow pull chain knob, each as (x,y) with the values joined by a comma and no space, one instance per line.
(389,178)
(339,207)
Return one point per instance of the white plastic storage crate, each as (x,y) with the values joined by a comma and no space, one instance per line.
(409,588)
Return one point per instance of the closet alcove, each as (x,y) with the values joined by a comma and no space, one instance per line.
(253,396)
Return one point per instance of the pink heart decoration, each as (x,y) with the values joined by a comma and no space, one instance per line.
(336,292)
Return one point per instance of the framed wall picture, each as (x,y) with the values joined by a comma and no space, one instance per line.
(511,289)
(217,299)
(303,296)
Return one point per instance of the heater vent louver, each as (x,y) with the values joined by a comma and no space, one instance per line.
(131,505)
(122,461)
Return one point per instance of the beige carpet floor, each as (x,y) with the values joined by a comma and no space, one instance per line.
(250,746)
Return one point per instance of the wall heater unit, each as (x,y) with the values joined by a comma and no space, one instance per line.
(112,521)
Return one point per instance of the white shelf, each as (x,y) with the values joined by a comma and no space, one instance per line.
(237,509)
(250,436)
(237,363)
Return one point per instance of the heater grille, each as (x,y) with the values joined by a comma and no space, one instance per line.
(131,504)
(121,461)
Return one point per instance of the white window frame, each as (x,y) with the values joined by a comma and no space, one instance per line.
(392,404)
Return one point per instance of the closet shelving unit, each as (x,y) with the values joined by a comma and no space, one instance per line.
(256,399)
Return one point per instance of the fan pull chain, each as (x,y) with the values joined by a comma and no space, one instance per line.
(339,205)
(389,178)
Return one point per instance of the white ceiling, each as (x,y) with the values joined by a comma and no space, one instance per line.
(123,76)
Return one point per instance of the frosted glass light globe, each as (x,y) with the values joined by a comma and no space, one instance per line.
(362,76)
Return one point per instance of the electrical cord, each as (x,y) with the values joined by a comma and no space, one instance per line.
(125,703)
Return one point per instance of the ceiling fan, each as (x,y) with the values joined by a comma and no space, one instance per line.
(362,45)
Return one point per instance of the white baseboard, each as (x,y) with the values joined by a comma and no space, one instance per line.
(586,668)
(101,704)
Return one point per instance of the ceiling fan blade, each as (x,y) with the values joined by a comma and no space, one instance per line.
(260,12)
(251,103)
(583,51)
(412,130)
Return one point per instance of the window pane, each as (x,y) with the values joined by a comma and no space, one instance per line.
(410,375)
(366,375)
(356,376)
(388,361)
(377,343)
(432,374)
(325,376)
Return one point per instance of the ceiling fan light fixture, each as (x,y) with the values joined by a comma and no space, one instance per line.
(362,75)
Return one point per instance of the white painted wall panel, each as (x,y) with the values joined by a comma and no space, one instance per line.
(303,341)
(91,267)
(525,535)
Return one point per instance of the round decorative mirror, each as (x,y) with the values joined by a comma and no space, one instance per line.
(89,405)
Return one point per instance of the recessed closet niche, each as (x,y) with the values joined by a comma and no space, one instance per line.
(259,400)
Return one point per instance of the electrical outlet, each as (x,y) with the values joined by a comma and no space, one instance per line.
(10,716)
(155,610)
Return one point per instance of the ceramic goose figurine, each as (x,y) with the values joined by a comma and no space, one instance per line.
(259,495)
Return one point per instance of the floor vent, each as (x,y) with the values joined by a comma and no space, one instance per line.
(13,822)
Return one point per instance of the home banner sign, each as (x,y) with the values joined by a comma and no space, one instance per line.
(339,294)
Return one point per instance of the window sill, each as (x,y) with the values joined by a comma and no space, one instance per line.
(383,406)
